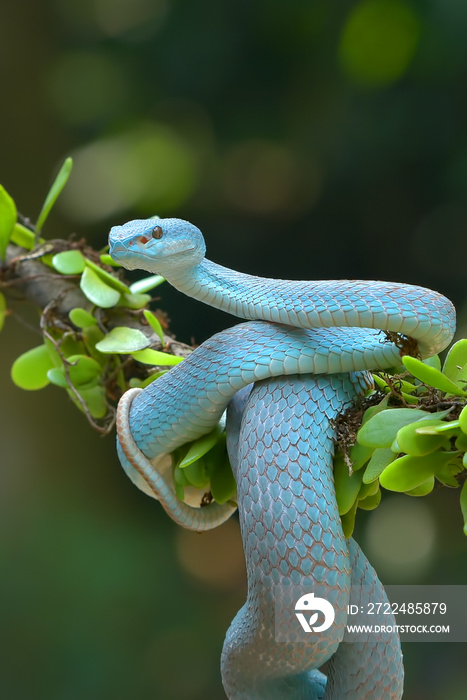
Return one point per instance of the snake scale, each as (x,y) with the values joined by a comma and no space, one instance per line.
(283,376)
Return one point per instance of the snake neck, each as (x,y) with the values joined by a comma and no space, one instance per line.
(218,286)
(294,303)
(418,313)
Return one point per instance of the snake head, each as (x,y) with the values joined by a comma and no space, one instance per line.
(161,246)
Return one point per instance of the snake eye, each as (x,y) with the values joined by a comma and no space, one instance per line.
(157,232)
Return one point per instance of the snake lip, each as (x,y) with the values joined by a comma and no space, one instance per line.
(145,259)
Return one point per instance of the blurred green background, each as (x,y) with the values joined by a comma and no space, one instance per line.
(307,139)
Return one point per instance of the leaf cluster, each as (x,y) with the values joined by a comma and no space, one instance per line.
(412,437)
(80,353)
(93,362)
(204,464)
(412,440)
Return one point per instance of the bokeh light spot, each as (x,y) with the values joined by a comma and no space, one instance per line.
(378,41)
(149,167)
(400,538)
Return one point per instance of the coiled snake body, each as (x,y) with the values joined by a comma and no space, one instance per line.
(285,375)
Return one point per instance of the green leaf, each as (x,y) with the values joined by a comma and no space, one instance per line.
(95,400)
(83,376)
(97,291)
(346,486)
(7,220)
(156,358)
(432,361)
(69,262)
(348,521)
(195,474)
(81,318)
(69,345)
(416,443)
(359,455)
(438,427)
(46,258)
(199,447)
(23,237)
(370,502)
(107,260)
(373,410)
(92,335)
(406,387)
(381,457)
(29,370)
(431,376)
(146,284)
(106,277)
(180,481)
(424,489)
(464,505)
(463,420)
(367,490)
(54,354)
(134,301)
(406,473)
(456,359)
(54,192)
(381,383)
(461,442)
(57,376)
(3,310)
(223,485)
(83,370)
(154,323)
(446,473)
(381,429)
(123,340)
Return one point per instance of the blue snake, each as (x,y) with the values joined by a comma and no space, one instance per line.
(299,361)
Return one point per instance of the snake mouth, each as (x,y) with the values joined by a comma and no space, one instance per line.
(123,255)
(131,255)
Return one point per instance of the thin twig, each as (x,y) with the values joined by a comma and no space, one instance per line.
(104,430)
